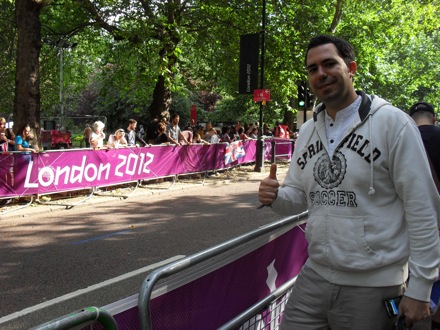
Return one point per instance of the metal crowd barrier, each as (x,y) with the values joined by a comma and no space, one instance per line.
(185,263)
(96,190)
(272,305)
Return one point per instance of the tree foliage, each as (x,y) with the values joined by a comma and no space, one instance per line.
(143,58)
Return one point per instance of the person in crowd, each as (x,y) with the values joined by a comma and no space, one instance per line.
(87,132)
(250,128)
(233,134)
(174,133)
(241,134)
(152,130)
(205,134)
(225,134)
(132,138)
(254,133)
(192,126)
(424,116)
(141,132)
(278,130)
(267,131)
(97,136)
(359,169)
(7,137)
(198,140)
(213,137)
(117,140)
(22,140)
(162,136)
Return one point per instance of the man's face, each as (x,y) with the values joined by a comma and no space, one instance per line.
(329,76)
(176,120)
(133,126)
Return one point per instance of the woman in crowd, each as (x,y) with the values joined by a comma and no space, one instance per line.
(254,133)
(87,132)
(225,134)
(162,137)
(22,140)
(97,136)
(242,134)
(7,137)
(117,140)
(213,137)
(233,134)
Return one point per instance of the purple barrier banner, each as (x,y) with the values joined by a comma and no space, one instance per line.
(59,171)
(215,298)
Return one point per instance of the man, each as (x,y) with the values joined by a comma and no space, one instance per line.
(174,133)
(131,136)
(424,116)
(360,170)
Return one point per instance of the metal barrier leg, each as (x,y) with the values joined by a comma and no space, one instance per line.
(156,187)
(67,205)
(98,192)
(80,317)
(18,207)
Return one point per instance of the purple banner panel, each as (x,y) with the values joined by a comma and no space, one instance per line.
(217,297)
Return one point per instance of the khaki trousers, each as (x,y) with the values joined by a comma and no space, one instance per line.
(316,304)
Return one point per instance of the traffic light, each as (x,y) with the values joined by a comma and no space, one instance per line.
(309,99)
(302,94)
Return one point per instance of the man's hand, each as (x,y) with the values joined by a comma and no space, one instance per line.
(268,191)
(414,310)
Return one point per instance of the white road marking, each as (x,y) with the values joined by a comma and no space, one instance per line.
(91,288)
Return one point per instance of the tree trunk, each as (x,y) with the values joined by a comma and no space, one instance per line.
(162,99)
(27,77)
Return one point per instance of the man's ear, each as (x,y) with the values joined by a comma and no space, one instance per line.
(352,69)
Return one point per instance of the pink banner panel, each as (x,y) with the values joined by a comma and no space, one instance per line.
(58,171)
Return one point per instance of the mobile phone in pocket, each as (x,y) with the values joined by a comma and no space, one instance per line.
(392,306)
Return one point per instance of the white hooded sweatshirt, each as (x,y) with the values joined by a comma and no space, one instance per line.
(372,207)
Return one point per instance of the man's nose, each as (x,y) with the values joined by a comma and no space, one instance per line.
(322,72)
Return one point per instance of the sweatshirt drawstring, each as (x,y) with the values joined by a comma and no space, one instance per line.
(371,190)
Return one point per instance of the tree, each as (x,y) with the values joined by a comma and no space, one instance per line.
(8,50)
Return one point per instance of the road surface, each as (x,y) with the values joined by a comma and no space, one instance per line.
(56,260)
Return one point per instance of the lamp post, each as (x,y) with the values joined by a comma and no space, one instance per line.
(61,44)
(259,157)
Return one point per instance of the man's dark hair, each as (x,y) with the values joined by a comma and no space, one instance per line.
(344,48)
